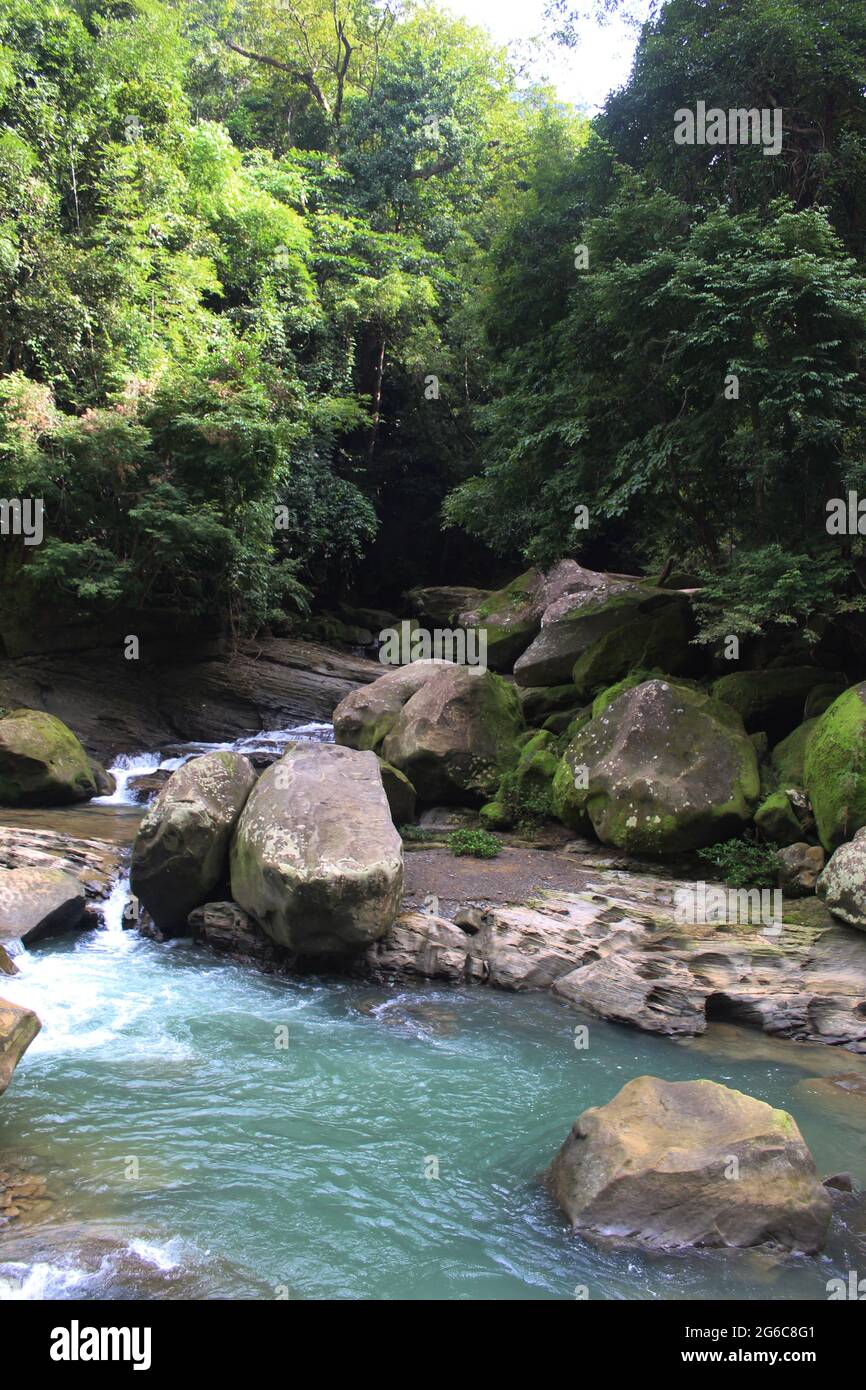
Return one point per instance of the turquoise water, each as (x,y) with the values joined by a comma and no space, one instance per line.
(302,1171)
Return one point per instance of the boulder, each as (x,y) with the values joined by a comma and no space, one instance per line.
(834,768)
(442,605)
(315,858)
(842,884)
(38,902)
(180,854)
(42,763)
(777,820)
(773,700)
(450,729)
(787,758)
(18,1028)
(400,793)
(664,768)
(799,867)
(673,1164)
(658,635)
(510,618)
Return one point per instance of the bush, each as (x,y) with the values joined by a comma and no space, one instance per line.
(744,863)
(479,843)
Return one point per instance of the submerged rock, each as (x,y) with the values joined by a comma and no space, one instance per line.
(37,902)
(664,768)
(180,854)
(18,1028)
(316,859)
(672,1164)
(42,762)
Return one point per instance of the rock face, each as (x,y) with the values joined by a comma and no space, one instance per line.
(37,902)
(316,859)
(572,629)
(773,700)
(18,1028)
(180,854)
(42,763)
(835,768)
(673,1164)
(450,729)
(662,769)
(94,863)
(510,617)
(842,885)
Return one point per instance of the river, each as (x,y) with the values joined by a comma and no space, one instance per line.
(208,1131)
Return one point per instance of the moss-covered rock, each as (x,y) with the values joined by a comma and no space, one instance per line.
(664,768)
(42,763)
(777,820)
(657,635)
(772,700)
(538,703)
(550,658)
(835,768)
(787,757)
(452,730)
(510,617)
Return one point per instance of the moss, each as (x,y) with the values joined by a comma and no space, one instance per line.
(41,761)
(777,820)
(787,758)
(835,768)
(772,700)
(655,636)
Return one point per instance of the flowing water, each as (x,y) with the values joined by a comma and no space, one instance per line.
(207,1131)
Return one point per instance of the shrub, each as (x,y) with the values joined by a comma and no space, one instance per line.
(479,843)
(744,863)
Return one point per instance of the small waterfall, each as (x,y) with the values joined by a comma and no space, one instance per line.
(112,907)
(124,767)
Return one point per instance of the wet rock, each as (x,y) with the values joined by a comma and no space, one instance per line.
(38,902)
(667,1165)
(7,965)
(42,762)
(94,863)
(18,1028)
(316,859)
(180,854)
(148,785)
(799,867)
(840,1182)
(420,943)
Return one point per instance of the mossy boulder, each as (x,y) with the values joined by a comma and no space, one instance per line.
(549,659)
(664,768)
(180,854)
(509,617)
(788,757)
(835,768)
(777,820)
(452,730)
(525,792)
(772,700)
(538,703)
(658,635)
(42,763)
(441,605)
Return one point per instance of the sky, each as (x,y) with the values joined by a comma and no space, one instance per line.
(582,75)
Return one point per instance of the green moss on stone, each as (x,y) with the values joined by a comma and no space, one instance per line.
(835,768)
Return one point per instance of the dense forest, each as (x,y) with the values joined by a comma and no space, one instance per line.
(307,299)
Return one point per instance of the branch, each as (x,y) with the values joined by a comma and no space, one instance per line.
(442,166)
(307,78)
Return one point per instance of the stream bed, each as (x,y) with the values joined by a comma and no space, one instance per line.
(207,1131)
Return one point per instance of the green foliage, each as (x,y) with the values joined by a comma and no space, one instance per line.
(745,862)
(478,843)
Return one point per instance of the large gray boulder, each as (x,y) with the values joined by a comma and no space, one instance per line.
(18,1028)
(42,762)
(450,729)
(180,854)
(663,768)
(842,884)
(38,902)
(671,1164)
(316,859)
